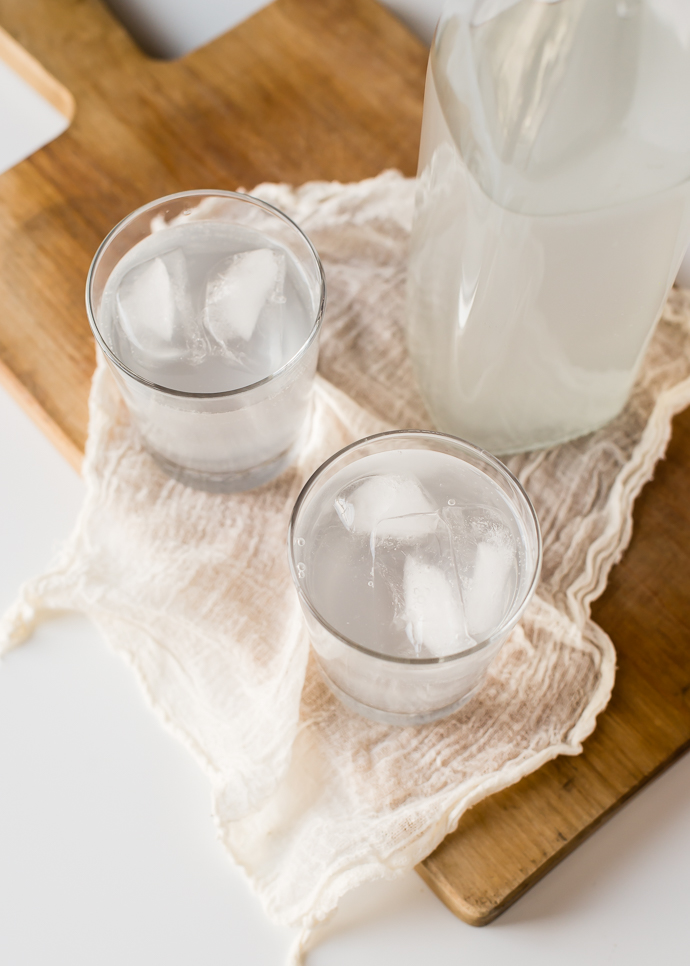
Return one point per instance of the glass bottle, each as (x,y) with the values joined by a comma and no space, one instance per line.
(552,213)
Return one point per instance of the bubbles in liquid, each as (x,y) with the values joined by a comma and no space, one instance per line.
(300,541)
(451,502)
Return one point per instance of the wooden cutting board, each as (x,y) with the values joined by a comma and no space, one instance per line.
(305,89)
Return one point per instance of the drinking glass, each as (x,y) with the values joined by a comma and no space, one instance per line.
(229,438)
(385,686)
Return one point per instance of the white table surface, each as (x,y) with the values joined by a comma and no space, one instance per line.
(108,853)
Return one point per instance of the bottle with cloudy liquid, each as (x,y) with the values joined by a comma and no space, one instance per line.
(553,211)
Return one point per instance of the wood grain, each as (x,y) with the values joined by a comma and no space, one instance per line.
(305,89)
(504,844)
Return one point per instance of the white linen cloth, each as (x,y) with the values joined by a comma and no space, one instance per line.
(193,589)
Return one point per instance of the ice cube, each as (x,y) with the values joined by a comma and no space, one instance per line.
(386,507)
(488,592)
(236,296)
(434,617)
(415,581)
(486,560)
(152,308)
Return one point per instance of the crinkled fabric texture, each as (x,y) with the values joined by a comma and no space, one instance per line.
(194,590)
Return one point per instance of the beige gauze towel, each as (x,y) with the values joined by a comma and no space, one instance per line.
(193,589)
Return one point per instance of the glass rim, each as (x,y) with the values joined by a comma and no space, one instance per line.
(204,192)
(514,614)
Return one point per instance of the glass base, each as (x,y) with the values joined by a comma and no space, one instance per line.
(552,442)
(526,444)
(396,717)
(226,482)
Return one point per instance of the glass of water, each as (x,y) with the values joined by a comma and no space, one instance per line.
(414,554)
(208,306)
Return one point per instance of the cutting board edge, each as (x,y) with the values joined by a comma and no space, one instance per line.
(30,405)
(482,915)
(32,71)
